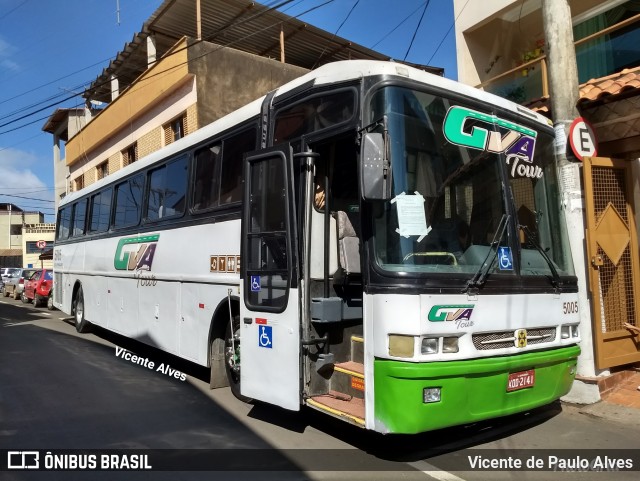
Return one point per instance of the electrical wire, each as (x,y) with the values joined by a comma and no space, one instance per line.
(415,32)
(166,71)
(399,25)
(448,31)
(235,24)
(13,10)
(335,34)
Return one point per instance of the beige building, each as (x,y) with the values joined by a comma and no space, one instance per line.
(187,67)
(37,242)
(501,48)
(12,221)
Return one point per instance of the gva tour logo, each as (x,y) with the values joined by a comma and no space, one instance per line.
(136,254)
(517,142)
(458,313)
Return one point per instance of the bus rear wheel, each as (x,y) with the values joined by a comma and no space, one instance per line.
(232,357)
(82,325)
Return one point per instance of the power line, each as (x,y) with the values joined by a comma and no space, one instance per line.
(335,34)
(448,31)
(415,32)
(399,25)
(13,10)
(285,2)
(278,5)
(28,198)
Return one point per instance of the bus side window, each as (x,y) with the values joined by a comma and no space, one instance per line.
(205,192)
(79,217)
(100,210)
(231,168)
(167,190)
(64,222)
(128,202)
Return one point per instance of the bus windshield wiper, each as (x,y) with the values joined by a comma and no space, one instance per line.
(555,282)
(481,274)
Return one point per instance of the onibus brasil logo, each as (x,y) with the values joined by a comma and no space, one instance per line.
(517,142)
(458,313)
(136,254)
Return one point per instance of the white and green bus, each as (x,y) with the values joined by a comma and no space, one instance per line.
(370,240)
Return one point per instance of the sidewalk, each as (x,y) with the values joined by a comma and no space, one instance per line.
(621,404)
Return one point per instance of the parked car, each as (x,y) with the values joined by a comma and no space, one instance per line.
(6,272)
(14,284)
(38,287)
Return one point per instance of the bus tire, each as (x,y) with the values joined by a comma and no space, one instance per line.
(82,325)
(232,358)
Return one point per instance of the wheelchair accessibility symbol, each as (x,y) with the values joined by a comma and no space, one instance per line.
(265,336)
(255,283)
(505,259)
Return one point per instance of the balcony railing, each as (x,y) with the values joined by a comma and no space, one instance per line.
(603,53)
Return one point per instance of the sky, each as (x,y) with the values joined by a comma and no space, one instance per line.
(52,49)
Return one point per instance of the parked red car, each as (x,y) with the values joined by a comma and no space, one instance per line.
(38,287)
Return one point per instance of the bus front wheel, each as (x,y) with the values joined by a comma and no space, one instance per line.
(82,325)
(232,357)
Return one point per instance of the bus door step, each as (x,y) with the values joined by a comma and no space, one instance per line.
(340,405)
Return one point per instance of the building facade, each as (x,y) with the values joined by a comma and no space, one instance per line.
(501,48)
(37,244)
(13,220)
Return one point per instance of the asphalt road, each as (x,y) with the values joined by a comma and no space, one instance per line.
(60,390)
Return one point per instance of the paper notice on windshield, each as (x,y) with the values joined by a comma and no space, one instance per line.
(411,216)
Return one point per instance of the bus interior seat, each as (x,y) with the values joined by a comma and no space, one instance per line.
(348,243)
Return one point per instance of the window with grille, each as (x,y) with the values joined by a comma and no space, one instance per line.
(79,183)
(130,154)
(175,130)
(102,170)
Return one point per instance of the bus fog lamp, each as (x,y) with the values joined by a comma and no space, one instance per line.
(450,344)
(400,346)
(429,345)
(565,332)
(431,395)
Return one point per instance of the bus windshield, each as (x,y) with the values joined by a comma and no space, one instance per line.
(458,170)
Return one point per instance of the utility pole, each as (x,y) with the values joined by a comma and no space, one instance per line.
(564,92)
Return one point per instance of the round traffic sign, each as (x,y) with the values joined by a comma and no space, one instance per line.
(41,244)
(582,138)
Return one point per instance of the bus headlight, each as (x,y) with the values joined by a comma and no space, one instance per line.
(450,344)
(429,345)
(569,331)
(400,346)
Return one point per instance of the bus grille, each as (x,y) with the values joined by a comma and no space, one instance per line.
(57,287)
(501,340)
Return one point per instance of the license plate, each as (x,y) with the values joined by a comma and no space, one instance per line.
(521,380)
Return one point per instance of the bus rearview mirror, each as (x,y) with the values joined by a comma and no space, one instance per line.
(375,172)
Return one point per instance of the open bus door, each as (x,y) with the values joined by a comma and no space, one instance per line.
(269,307)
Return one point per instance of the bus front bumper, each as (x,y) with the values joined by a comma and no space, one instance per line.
(471,390)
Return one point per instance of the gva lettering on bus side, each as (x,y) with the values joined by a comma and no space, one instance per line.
(136,253)
(518,143)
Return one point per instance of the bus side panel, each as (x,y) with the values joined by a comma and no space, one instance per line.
(159,312)
(122,306)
